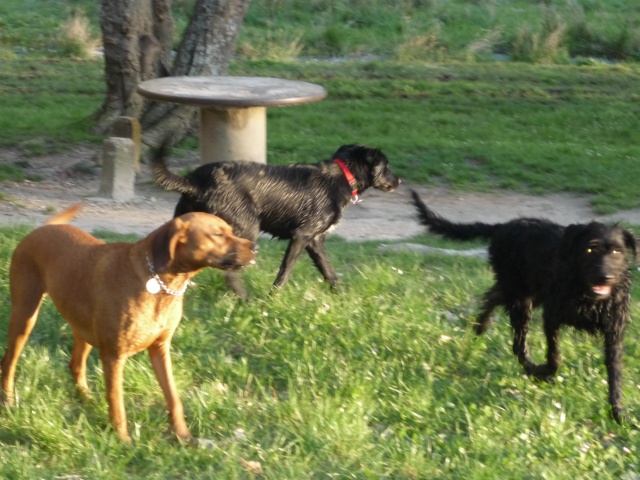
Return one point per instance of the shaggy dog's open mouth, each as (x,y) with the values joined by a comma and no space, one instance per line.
(601,291)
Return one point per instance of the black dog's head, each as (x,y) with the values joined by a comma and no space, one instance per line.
(370,167)
(597,255)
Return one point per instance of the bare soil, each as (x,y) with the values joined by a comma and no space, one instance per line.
(74,176)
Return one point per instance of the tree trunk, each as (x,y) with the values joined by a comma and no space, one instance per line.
(137,37)
(137,42)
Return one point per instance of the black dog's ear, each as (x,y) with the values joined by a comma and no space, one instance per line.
(343,152)
(570,240)
(630,242)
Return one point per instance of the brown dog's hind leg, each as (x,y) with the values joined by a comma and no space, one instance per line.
(26,299)
(78,364)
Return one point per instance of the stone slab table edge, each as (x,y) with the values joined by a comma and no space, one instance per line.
(233,110)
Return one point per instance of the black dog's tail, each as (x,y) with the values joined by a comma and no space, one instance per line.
(167,179)
(456,231)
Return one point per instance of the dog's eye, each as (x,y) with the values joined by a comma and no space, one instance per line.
(589,250)
(616,251)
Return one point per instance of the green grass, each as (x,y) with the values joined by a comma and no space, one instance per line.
(383,380)
(474,127)
(47,103)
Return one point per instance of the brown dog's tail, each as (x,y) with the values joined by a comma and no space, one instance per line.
(167,179)
(456,231)
(66,216)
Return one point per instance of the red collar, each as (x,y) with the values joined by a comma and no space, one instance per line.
(350,178)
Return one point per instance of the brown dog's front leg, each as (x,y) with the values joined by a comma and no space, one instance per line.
(161,362)
(113,367)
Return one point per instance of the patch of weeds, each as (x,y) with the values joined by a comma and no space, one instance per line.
(76,39)
(35,147)
(15,173)
(83,168)
(543,45)
(422,47)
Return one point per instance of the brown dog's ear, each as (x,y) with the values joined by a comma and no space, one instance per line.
(164,243)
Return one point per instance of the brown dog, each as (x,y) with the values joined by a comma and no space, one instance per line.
(120,298)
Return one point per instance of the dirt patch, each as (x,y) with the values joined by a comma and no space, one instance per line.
(73,176)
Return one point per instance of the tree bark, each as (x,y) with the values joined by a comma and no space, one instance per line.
(137,36)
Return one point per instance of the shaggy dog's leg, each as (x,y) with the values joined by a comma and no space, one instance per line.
(492,299)
(318,254)
(613,360)
(520,315)
(547,370)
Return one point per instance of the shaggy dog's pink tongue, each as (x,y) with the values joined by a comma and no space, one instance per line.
(602,290)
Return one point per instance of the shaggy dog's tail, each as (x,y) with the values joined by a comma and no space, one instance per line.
(167,179)
(456,231)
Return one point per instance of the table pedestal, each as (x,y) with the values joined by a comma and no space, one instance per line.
(231,134)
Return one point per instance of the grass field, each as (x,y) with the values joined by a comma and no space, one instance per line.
(384,380)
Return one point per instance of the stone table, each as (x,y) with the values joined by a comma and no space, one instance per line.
(233,110)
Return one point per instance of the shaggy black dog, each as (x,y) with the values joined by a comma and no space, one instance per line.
(579,275)
(299,202)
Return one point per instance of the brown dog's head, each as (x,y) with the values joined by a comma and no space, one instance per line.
(197,240)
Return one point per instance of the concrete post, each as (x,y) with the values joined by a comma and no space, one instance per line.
(118,169)
(129,127)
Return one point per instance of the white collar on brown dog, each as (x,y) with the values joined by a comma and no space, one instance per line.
(155,283)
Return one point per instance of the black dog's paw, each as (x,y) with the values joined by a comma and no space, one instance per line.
(543,373)
(481,327)
(622,419)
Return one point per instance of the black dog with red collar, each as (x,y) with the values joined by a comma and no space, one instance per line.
(299,203)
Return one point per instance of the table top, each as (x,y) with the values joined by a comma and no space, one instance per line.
(227,91)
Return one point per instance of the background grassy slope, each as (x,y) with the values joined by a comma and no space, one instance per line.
(478,126)
(426,29)
(466,125)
